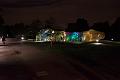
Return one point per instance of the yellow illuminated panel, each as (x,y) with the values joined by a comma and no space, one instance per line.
(93,35)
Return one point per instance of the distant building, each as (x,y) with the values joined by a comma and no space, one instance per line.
(72,37)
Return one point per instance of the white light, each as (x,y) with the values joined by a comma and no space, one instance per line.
(45,39)
(39,41)
(84,38)
(97,40)
(46,31)
(22,38)
(112,39)
(97,43)
(53,31)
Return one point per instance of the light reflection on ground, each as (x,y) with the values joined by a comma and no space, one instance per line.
(97,43)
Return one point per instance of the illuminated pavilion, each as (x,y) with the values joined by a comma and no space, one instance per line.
(70,37)
(74,37)
(93,35)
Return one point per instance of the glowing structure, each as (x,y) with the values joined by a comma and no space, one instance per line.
(73,37)
(50,35)
(44,35)
(58,36)
(38,37)
(93,35)
(22,38)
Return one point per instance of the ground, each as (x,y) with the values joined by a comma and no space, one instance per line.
(61,61)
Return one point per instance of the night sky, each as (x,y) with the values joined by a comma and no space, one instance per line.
(64,11)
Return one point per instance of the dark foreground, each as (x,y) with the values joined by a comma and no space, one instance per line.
(41,61)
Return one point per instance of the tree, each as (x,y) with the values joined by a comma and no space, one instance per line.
(19,28)
(50,23)
(72,28)
(33,28)
(37,24)
(80,26)
(2,28)
(115,29)
(116,25)
(103,27)
(2,21)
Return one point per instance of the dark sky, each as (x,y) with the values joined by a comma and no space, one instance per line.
(64,11)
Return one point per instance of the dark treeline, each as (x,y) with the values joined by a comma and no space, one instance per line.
(81,24)
(22,29)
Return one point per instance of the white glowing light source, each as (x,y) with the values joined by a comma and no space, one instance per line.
(112,39)
(39,41)
(84,38)
(22,38)
(97,43)
(53,31)
(97,40)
